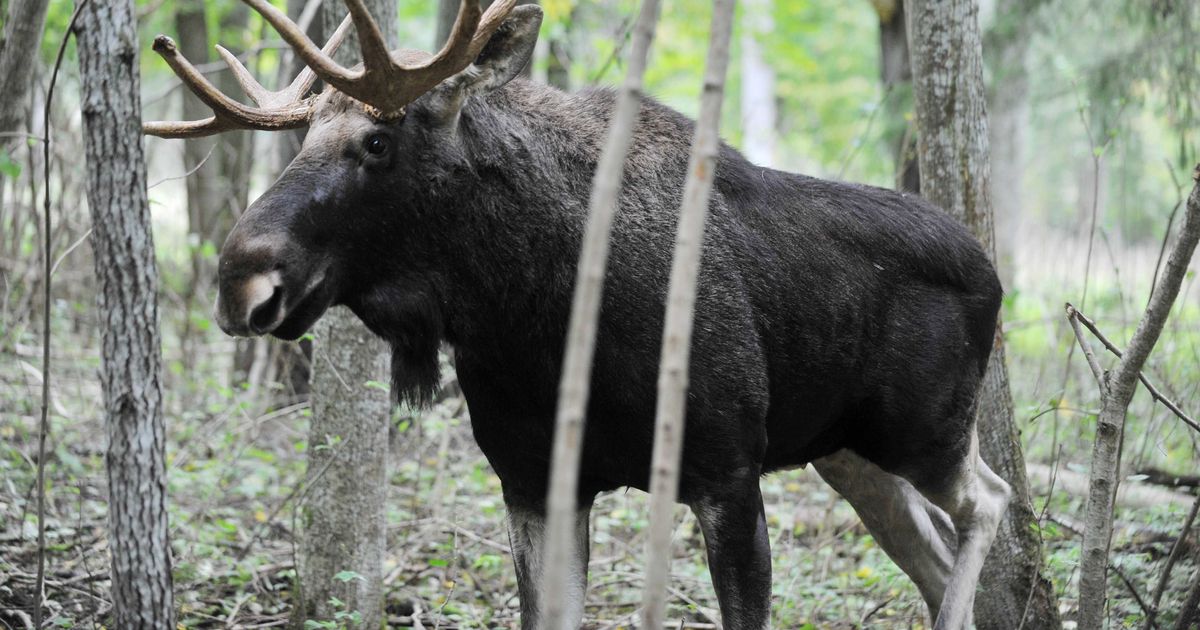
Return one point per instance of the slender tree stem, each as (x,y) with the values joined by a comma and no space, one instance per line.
(47,243)
(574,386)
(677,328)
(1110,426)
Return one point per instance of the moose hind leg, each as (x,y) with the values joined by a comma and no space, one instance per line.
(739,555)
(975,498)
(917,535)
(527,537)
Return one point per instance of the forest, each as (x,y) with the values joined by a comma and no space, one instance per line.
(165,463)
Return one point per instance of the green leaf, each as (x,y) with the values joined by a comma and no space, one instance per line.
(8,167)
(381,386)
(346,576)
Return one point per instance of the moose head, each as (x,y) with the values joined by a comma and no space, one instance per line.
(371,135)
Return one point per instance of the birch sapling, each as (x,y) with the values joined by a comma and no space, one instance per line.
(677,329)
(581,334)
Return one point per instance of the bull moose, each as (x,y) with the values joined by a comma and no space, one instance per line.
(443,200)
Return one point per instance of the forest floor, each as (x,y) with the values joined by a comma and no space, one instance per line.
(236,458)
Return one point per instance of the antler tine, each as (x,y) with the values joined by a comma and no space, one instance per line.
(491,21)
(467,39)
(259,94)
(403,84)
(228,113)
(375,53)
(299,86)
(307,77)
(460,36)
(187,128)
(318,60)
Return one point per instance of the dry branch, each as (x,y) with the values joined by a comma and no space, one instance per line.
(581,335)
(677,329)
(1111,423)
(1078,318)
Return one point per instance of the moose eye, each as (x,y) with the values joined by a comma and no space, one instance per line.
(378,144)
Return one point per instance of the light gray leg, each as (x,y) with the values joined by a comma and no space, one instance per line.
(527,536)
(976,502)
(915,534)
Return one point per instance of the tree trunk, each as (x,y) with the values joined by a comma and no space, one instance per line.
(22,35)
(1007,45)
(344,520)
(205,188)
(951,118)
(128,279)
(758,85)
(345,512)
(895,71)
(558,59)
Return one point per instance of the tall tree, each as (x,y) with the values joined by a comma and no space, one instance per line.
(344,514)
(563,512)
(1005,54)
(758,85)
(895,71)
(947,68)
(22,34)
(131,349)
(205,190)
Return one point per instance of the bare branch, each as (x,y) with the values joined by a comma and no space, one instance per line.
(1154,392)
(1073,317)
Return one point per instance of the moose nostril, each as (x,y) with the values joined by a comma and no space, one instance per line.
(264,316)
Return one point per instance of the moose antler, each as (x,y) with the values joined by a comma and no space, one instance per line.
(383,83)
(284,109)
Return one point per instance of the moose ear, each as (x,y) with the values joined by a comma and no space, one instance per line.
(509,49)
(500,61)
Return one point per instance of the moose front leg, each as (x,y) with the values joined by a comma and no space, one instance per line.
(739,555)
(527,537)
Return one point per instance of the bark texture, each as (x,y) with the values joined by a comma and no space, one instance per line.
(345,510)
(677,327)
(1117,392)
(947,68)
(895,72)
(344,513)
(22,34)
(126,294)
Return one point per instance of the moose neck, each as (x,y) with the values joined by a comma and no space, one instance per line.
(493,231)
